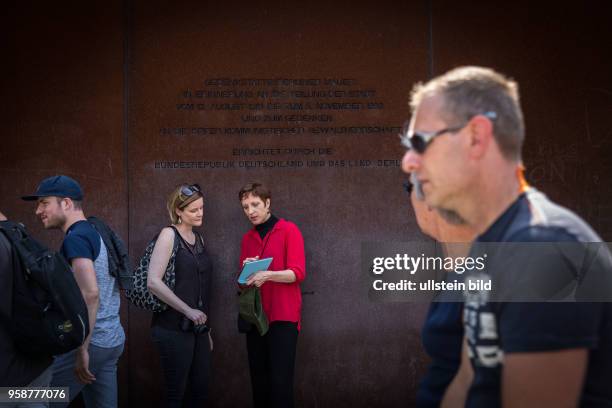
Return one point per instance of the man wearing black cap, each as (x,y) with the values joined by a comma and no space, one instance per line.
(92,368)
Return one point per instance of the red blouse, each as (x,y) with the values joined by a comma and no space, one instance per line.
(284,243)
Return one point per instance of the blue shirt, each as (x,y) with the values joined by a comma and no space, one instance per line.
(83,241)
(495,329)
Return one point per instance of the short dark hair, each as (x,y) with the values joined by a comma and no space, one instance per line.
(255,188)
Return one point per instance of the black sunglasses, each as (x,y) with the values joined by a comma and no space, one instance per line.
(188,191)
(419,141)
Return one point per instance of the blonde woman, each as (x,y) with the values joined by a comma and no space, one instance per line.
(181,332)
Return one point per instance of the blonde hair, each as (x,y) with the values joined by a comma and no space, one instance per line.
(177,201)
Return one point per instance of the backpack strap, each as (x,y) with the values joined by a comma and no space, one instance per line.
(118,258)
(175,247)
(177,239)
(24,246)
(104,233)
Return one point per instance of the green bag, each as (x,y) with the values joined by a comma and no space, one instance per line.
(251,309)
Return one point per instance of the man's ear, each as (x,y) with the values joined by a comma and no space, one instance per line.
(481,135)
(66,203)
(267,203)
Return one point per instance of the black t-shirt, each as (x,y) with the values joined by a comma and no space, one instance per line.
(442,338)
(495,329)
(193,270)
(16,368)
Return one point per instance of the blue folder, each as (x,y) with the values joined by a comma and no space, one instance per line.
(253,267)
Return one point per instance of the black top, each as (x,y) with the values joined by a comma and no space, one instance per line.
(442,338)
(267,226)
(16,368)
(193,270)
(496,329)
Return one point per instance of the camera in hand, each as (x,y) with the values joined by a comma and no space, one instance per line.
(187,325)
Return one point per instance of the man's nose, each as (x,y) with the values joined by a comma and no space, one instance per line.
(38,210)
(411,161)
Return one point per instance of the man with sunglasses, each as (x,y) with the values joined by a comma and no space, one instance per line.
(92,368)
(464,147)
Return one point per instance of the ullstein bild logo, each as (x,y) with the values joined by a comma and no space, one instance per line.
(433,285)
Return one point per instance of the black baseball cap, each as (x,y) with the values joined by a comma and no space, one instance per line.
(58,186)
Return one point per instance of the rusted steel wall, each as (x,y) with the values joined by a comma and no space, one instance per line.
(133,97)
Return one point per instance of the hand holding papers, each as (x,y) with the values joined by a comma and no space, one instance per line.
(250,268)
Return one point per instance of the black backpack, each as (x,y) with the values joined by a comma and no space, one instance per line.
(118,258)
(49,313)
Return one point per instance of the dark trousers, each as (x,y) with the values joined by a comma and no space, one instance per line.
(272,362)
(185,360)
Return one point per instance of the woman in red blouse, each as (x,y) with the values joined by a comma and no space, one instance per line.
(272,356)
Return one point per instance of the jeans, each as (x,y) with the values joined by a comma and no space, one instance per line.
(42,380)
(102,393)
(185,360)
(272,364)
